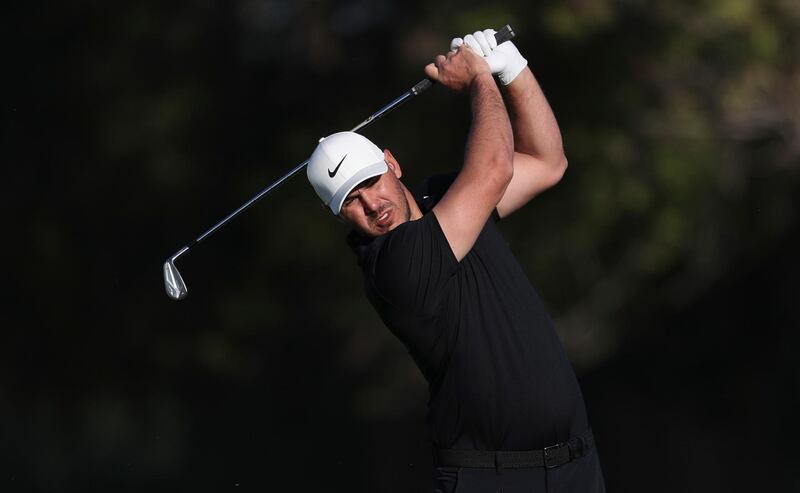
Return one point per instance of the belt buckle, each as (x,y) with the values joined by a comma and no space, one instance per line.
(550,459)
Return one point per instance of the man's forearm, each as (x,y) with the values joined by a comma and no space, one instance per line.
(536,131)
(490,137)
(488,164)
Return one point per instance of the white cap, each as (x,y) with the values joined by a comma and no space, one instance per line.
(339,163)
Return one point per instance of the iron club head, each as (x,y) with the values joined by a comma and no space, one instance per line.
(173,282)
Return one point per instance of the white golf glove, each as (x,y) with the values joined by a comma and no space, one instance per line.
(504,60)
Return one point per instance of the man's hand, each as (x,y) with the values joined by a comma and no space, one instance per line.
(504,60)
(458,69)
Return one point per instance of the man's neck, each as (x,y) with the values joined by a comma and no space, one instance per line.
(416,212)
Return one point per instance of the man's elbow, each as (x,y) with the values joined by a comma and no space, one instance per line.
(493,175)
(498,170)
(504,172)
(558,170)
(508,168)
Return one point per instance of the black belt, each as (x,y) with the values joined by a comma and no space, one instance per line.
(548,457)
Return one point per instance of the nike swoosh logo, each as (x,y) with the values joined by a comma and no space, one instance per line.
(336,169)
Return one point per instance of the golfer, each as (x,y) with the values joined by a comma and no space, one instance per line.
(505,411)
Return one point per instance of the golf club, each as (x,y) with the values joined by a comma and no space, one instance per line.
(173,282)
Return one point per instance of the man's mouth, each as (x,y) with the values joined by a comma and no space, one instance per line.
(384,218)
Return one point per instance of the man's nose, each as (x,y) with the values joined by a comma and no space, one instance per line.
(369,202)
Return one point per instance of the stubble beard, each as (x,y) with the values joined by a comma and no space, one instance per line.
(402,210)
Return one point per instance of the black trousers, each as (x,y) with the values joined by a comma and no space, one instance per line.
(582,475)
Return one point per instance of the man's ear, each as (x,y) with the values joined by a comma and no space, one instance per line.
(392,163)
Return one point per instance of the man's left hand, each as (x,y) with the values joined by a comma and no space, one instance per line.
(458,69)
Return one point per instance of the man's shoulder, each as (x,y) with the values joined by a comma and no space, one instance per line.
(410,267)
(389,247)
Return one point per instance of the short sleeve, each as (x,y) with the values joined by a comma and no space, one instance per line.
(412,267)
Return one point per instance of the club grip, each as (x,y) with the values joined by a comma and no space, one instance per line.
(421,86)
(504,34)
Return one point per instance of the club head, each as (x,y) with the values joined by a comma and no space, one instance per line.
(173,282)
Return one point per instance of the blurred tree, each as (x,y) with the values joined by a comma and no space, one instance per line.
(666,254)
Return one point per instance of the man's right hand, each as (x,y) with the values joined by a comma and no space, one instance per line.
(458,69)
(504,60)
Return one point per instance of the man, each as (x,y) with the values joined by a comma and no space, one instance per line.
(505,410)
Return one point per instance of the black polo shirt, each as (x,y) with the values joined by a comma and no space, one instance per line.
(498,375)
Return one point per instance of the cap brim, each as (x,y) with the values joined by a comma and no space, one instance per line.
(366,173)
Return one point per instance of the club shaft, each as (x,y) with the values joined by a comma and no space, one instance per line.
(250,202)
(372,118)
(505,34)
(383,111)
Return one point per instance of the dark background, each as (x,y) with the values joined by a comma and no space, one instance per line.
(667,255)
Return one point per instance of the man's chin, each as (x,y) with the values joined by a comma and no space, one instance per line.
(378,228)
(375,230)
